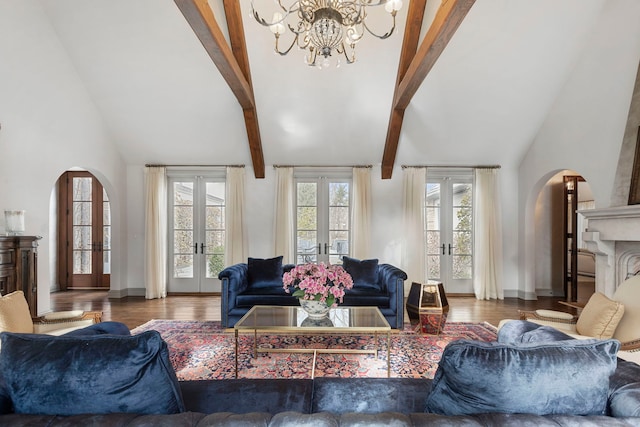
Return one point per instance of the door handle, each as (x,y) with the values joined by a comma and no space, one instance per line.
(99,246)
(195,248)
(449,248)
(319,248)
(443,249)
(325,248)
(202,246)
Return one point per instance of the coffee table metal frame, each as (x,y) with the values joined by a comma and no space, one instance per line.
(286,319)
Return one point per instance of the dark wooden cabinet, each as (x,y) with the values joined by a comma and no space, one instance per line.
(18,267)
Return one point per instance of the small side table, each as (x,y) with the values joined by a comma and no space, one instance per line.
(427,306)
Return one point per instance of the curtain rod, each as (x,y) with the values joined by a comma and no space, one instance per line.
(453,166)
(321,166)
(148,165)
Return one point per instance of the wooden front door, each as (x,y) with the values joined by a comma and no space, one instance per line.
(84,232)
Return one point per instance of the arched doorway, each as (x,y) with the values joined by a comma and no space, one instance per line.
(563,265)
(83,232)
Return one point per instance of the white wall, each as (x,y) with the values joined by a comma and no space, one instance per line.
(49,124)
(585,126)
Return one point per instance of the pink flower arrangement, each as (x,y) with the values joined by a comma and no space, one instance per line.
(318,282)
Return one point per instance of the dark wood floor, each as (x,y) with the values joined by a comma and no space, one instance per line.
(134,311)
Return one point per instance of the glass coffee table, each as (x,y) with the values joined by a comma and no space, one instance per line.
(293,320)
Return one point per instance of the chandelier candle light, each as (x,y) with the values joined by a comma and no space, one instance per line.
(325,26)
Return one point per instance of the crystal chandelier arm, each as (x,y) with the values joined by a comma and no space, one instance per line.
(385,35)
(284,52)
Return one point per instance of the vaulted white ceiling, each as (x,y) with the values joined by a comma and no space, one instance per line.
(164,101)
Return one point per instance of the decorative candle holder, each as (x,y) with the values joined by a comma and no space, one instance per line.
(14,222)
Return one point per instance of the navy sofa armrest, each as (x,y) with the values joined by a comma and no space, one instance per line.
(391,280)
(234,281)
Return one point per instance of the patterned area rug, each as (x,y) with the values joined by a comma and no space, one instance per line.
(206,351)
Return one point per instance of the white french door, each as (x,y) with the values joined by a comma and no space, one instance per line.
(322,219)
(449,229)
(196,232)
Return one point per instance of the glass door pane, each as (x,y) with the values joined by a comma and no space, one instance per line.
(214,228)
(432,230)
(338,221)
(307,222)
(82,225)
(183,239)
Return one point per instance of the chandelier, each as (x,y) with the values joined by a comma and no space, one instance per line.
(325,26)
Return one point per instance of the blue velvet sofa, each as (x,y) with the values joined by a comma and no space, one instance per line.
(259,282)
(54,382)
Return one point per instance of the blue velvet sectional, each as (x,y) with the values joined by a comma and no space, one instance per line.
(527,378)
(259,282)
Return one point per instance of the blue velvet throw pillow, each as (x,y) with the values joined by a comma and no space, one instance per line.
(363,272)
(265,273)
(523,331)
(566,377)
(98,374)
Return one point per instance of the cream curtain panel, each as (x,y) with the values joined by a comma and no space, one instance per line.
(413,250)
(284,219)
(155,236)
(487,247)
(361,213)
(236,249)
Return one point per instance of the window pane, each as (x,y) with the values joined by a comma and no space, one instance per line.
(339,218)
(183,217)
(339,243)
(215,193)
(82,189)
(183,193)
(307,245)
(307,194)
(106,213)
(215,264)
(183,242)
(82,238)
(106,262)
(307,218)
(183,266)
(215,242)
(82,213)
(106,238)
(462,267)
(433,267)
(433,243)
(81,262)
(462,243)
(339,194)
(215,218)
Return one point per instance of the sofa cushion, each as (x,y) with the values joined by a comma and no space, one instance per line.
(14,313)
(567,377)
(363,272)
(600,317)
(264,272)
(523,331)
(97,374)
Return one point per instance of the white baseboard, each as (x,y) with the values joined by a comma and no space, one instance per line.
(129,292)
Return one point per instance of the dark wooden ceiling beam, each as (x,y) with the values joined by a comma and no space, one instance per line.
(232,64)
(415,16)
(446,22)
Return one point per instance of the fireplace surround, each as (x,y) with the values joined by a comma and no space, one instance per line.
(613,234)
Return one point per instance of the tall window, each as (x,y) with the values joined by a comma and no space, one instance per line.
(322,218)
(196,231)
(449,228)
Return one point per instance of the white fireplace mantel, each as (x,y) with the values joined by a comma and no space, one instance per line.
(613,234)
